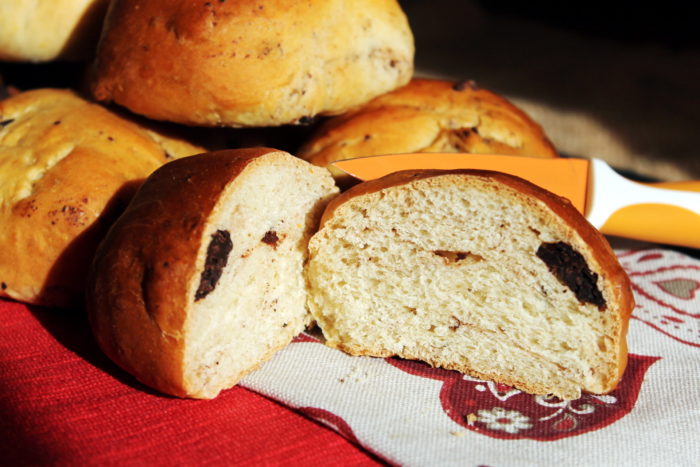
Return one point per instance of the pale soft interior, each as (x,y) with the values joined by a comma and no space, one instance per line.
(258,304)
(447,273)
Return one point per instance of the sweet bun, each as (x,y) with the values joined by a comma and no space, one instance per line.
(429,115)
(67,168)
(250,63)
(42,31)
(200,280)
(474,271)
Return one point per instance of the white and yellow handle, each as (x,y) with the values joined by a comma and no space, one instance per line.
(658,212)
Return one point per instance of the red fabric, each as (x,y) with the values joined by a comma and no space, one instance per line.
(62,401)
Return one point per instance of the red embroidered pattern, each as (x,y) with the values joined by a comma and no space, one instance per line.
(500,411)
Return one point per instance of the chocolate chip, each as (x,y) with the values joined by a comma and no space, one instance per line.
(218,251)
(270,238)
(570,268)
(3,285)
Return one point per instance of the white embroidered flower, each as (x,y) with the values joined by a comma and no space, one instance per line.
(510,421)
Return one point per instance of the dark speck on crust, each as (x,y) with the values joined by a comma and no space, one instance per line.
(305,120)
(218,251)
(4,123)
(465,84)
(3,285)
(569,266)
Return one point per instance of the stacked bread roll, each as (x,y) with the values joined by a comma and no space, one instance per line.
(201,278)
(68,168)
(47,31)
(428,115)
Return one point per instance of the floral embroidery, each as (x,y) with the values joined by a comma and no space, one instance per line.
(498,418)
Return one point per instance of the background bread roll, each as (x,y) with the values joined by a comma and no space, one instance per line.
(473,271)
(200,280)
(67,169)
(41,31)
(250,62)
(429,115)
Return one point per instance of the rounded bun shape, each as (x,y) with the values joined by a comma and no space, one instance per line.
(250,63)
(42,31)
(429,115)
(67,169)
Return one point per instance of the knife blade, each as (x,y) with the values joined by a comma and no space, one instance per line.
(612,203)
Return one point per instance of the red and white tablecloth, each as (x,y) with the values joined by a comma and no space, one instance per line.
(63,402)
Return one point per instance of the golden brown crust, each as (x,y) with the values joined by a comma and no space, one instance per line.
(67,169)
(250,63)
(138,289)
(429,116)
(45,31)
(612,271)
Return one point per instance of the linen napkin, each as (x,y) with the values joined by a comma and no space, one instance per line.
(412,414)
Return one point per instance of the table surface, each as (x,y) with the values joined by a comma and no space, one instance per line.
(63,402)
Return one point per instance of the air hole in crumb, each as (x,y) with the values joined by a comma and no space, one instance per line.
(458,256)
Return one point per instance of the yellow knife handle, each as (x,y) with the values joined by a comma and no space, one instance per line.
(690,185)
(660,223)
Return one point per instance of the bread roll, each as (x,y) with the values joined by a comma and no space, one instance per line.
(41,31)
(67,169)
(200,281)
(429,116)
(250,62)
(474,271)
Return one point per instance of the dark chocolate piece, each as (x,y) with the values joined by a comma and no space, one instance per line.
(569,266)
(218,251)
(270,238)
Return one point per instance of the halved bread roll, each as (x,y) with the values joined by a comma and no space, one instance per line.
(475,271)
(200,280)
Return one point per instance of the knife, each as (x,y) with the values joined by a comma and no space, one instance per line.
(663,212)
